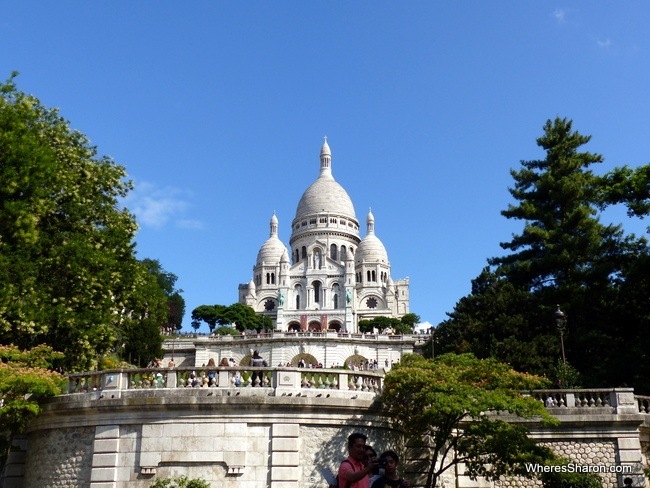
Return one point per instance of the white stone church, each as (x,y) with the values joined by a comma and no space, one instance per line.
(329,277)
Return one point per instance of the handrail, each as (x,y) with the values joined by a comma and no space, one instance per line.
(558,401)
(283,378)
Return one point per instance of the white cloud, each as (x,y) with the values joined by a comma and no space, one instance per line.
(560,15)
(605,44)
(191,224)
(423,327)
(155,207)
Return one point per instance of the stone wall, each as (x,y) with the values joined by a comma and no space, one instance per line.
(60,458)
(277,436)
(281,348)
(588,452)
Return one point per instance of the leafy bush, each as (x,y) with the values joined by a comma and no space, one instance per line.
(180,482)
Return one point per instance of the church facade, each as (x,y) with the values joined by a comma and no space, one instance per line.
(329,277)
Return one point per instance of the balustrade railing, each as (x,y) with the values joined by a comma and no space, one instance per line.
(617,400)
(644,403)
(226,377)
(597,400)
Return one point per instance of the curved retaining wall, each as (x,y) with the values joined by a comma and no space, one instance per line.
(277,436)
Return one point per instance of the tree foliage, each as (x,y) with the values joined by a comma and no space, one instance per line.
(175,301)
(180,482)
(243,317)
(564,255)
(68,273)
(26,379)
(451,401)
(403,325)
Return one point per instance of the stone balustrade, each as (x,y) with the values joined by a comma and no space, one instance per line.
(643,403)
(292,334)
(594,400)
(277,378)
(557,401)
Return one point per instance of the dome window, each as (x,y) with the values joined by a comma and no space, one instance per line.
(371,303)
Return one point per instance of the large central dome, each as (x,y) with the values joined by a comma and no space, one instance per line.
(325,195)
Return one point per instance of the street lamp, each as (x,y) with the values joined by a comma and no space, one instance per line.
(560,323)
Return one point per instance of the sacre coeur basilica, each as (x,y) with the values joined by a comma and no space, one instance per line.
(329,278)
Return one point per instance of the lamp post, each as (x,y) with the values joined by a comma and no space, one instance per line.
(560,323)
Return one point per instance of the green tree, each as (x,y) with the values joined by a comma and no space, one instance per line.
(564,255)
(409,321)
(242,316)
(175,301)
(68,273)
(223,330)
(140,329)
(451,401)
(26,379)
(380,323)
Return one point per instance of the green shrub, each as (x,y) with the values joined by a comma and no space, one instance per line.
(180,482)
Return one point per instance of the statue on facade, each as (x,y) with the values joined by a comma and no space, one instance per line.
(348,296)
(280,298)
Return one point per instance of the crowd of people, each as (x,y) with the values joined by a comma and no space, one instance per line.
(363,469)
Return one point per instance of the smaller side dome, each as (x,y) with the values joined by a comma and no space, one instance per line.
(272,250)
(371,249)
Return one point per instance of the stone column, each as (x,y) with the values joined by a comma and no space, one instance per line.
(285,456)
(105,451)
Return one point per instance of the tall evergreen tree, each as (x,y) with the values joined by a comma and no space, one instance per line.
(564,255)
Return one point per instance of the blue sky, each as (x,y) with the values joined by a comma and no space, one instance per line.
(218,111)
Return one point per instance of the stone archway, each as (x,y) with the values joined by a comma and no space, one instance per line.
(335,325)
(314,326)
(356,360)
(294,327)
(307,358)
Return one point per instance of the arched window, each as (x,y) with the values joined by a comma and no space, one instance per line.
(273,278)
(268,279)
(334,252)
(343,253)
(298,292)
(304,252)
(317,291)
(336,291)
(374,276)
(297,256)
(368,272)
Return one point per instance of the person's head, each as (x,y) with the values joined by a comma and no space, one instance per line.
(392,460)
(370,452)
(370,456)
(357,446)
(256,354)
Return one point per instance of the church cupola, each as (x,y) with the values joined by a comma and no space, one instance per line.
(325,158)
(370,222)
